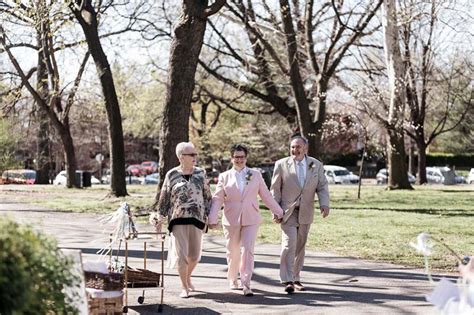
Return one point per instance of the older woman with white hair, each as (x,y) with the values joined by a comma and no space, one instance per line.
(185,200)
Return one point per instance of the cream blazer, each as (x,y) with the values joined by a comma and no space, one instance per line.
(241,208)
(288,193)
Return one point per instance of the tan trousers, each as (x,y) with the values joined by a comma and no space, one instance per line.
(240,260)
(293,242)
(186,243)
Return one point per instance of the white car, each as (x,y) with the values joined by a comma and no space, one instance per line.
(434,175)
(470,177)
(443,175)
(339,175)
(61,179)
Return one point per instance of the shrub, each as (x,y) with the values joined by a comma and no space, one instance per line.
(33,272)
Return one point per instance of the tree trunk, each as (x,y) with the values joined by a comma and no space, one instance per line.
(312,130)
(397,168)
(87,18)
(421,178)
(315,132)
(184,55)
(69,155)
(411,157)
(43,158)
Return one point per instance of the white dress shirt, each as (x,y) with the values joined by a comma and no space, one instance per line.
(241,180)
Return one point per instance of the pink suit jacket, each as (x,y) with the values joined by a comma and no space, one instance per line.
(241,208)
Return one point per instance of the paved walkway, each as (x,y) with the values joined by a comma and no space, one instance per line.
(335,284)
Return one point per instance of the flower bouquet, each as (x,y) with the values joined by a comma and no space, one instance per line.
(448,296)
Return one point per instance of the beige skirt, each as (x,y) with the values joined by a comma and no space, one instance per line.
(185,244)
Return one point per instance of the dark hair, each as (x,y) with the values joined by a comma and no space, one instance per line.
(238,147)
(298,136)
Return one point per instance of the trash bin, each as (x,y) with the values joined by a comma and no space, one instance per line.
(86,179)
(78,179)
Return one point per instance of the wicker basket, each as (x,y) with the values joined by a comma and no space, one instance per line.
(142,278)
(107,282)
(105,306)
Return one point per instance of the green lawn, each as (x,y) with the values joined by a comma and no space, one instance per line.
(379,226)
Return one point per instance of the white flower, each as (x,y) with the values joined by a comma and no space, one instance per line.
(422,244)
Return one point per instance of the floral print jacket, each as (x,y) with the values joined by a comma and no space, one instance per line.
(185,201)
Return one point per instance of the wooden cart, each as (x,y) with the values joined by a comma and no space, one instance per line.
(143,278)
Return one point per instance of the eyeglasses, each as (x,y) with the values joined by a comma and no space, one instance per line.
(190,154)
(241,157)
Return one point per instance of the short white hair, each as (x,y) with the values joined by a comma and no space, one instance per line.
(181,146)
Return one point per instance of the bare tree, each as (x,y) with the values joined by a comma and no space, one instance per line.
(185,49)
(437,93)
(52,104)
(314,41)
(431,86)
(20,14)
(87,17)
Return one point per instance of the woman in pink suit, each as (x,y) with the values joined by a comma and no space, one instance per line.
(237,189)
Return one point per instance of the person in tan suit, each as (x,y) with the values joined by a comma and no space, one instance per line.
(296,179)
(238,189)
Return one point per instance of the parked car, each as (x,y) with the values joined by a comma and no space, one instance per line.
(470,177)
(149,167)
(382,177)
(61,179)
(340,175)
(19,177)
(105,176)
(434,175)
(133,180)
(134,170)
(152,179)
(443,175)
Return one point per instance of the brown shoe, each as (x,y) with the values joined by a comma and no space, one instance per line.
(289,288)
(299,286)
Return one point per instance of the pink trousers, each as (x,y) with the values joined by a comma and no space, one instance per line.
(240,260)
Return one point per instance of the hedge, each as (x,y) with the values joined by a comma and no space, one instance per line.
(33,272)
(447,159)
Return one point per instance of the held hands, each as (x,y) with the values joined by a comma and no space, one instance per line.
(324,211)
(277,220)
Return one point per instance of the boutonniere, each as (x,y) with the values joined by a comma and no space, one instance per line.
(312,166)
(248,176)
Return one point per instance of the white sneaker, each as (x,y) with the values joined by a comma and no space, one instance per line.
(184,294)
(248,291)
(234,285)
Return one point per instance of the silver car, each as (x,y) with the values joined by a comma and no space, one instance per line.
(382,177)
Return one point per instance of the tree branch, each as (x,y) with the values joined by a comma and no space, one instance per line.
(213,8)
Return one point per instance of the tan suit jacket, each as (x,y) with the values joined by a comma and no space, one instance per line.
(288,193)
(241,208)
